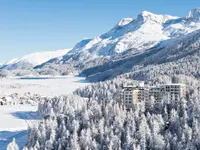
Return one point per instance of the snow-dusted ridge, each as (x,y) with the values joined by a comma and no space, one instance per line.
(34,59)
(124,22)
(138,34)
(194,14)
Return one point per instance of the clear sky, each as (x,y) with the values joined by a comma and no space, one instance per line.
(43,25)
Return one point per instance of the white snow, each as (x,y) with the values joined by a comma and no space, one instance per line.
(15,119)
(12,117)
(11,61)
(38,58)
(139,34)
(124,21)
(46,86)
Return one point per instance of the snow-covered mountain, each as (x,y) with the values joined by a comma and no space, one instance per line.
(142,36)
(137,35)
(182,56)
(142,33)
(31,60)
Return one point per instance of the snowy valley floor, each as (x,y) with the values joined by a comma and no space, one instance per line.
(15,119)
(46,86)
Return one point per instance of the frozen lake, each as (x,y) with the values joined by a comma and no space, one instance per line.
(14,120)
(47,86)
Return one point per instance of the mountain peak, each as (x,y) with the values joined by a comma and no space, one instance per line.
(194,14)
(147,13)
(145,16)
(124,22)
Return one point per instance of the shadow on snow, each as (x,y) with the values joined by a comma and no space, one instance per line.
(7,136)
(26,115)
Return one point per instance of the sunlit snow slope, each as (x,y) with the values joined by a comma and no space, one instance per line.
(32,60)
(138,34)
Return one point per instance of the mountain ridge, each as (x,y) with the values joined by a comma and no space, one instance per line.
(31,60)
(139,34)
(145,35)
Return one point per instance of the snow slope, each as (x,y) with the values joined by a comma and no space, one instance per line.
(34,59)
(143,32)
(14,123)
(138,34)
(182,56)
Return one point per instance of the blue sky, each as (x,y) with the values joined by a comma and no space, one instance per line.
(42,25)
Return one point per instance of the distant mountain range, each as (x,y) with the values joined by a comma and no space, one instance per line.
(31,60)
(145,40)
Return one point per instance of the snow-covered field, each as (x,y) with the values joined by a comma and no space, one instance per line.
(46,86)
(15,119)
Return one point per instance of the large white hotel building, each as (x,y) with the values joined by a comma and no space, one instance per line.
(135,95)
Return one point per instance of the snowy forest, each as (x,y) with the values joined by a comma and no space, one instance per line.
(92,119)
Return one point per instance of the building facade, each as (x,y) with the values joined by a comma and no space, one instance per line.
(135,95)
(175,91)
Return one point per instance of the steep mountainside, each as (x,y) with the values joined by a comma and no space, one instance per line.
(128,38)
(147,39)
(31,60)
(181,56)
